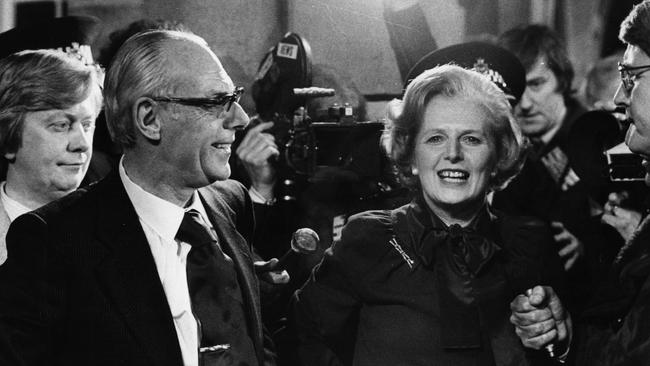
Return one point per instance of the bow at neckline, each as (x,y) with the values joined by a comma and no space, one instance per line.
(468,249)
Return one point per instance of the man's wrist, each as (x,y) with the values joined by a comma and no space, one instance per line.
(260,198)
(563,357)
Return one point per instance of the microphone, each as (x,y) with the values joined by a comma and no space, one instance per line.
(303,241)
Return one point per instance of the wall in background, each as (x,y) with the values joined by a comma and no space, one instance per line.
(350,35)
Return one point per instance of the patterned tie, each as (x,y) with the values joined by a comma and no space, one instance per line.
(205,266)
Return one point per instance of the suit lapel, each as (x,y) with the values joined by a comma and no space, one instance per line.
(233,244)
(634,256)
(130,276)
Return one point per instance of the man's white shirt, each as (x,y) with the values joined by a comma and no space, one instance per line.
(12,207)
(160,221)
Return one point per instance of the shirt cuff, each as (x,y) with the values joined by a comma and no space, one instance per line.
(256,197)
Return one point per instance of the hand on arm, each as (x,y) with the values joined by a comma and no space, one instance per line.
(571,249)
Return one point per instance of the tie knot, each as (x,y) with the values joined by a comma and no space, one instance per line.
(194,231)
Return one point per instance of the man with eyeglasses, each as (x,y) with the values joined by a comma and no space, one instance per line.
(615,330)
(152,265)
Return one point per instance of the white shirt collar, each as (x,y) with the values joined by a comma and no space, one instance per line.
(548,136)
(162,216)
(12,207)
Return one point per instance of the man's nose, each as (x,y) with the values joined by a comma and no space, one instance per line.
(236,118)
(621,98)
(525,103)
(80,140)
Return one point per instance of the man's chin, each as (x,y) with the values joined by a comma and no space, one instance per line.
(220,174)
(532,128)
(68,185)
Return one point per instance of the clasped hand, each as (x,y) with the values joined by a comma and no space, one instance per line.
(540,320)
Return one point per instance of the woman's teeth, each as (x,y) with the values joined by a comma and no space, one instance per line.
(453,174)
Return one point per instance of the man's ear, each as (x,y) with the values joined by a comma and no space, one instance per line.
(146,120)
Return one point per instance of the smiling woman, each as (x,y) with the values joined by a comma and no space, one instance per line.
(431,282)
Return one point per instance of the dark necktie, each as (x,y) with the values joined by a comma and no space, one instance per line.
(217,302)
(205,271)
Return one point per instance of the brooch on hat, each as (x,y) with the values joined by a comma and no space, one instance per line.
(482,68)
(80,52)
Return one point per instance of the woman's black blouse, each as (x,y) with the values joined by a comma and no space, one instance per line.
(402,288)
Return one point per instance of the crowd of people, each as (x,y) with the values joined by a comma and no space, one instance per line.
(497,239)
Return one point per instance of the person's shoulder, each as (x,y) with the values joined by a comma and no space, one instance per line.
(86,204)
(368,223)
(230,198)
(229,191)
(364,233)
(80,202)
(72,215)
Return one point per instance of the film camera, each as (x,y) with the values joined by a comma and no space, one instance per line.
(330,142)
(624,165)
(601,159)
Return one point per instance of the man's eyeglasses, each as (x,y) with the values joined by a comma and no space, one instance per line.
(629,75)
(219,100)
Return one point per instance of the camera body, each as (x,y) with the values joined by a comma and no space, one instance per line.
(327,144)
(334,141)
(624,165)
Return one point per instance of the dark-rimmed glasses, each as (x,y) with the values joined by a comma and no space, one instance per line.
(220,100)
(628,76)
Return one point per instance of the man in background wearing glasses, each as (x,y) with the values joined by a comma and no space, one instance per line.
(616,330)
(152,265)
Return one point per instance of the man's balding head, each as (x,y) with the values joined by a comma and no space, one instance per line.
(159,62)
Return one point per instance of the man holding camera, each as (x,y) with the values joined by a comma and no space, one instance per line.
(621,334)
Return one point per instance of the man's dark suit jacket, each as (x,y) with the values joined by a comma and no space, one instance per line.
(616,328)
(81,287)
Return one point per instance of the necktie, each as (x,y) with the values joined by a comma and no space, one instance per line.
(216,298)
(205,270)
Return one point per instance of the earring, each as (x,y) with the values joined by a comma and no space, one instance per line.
(414,171)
